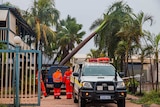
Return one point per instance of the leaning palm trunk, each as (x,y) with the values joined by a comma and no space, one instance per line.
(81,44)
(77,49)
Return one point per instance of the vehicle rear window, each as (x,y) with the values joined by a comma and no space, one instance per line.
(54,68)
(98,71)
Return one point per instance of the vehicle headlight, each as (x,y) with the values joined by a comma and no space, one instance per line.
(86,85)
(120,84)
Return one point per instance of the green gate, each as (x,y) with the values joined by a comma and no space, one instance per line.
(18,84)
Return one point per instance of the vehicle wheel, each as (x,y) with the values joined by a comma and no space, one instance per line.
(81,102)
(74,98)
(121,103)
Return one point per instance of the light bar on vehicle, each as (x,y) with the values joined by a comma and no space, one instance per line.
(92,59)
(99,60)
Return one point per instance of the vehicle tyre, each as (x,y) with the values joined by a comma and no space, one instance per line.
(81,102)
(74,98)
(121,103)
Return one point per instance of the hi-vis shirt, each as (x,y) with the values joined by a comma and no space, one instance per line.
(67,75)
(57,76)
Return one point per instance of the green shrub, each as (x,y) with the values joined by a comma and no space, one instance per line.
(149,98)
(1,105)
(132,85)
(131,82)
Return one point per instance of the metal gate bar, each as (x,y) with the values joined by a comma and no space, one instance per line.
(6,79)
(3,33)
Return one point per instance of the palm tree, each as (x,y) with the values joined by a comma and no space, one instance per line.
(144,51)
(155,42)
(114,18)
(41,17)
(132,31)
(108,27)
(117,16)
(50,50)
(96,53)
(149,38)
(120,53)
(69,35)
(105,38)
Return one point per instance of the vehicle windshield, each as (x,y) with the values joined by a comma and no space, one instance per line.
(98,71)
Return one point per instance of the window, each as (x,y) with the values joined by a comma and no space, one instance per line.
(98,71)
(2,23)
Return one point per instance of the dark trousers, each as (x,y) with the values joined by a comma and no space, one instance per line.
(57,89)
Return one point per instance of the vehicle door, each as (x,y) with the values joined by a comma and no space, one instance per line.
(77,84)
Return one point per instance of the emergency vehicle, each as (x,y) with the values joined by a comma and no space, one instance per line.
(97,80)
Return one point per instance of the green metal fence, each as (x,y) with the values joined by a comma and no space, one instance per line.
(18,85)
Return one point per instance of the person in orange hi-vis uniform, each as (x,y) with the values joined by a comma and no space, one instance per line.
(43,88)
(67,82)
(57,79)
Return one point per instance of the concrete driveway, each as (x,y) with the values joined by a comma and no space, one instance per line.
(51,102)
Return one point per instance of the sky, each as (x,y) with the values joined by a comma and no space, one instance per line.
(87,11)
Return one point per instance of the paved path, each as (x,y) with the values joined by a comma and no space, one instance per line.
(51,102)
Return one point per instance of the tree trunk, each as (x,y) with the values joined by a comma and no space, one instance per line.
(151,72)
(77,49)
(157,78)
(141,76)
(121,63)
(133,76)
(157,71)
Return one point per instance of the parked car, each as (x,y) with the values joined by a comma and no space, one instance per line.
(49,80)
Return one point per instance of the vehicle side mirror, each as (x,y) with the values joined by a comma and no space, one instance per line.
(73,68)
(121,74)
(75,74)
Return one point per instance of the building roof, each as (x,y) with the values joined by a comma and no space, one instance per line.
(19,17)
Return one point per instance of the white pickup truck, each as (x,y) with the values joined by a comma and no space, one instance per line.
(97,82)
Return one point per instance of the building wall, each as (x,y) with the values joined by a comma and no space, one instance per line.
(3,15)
(12,20)
(3,18)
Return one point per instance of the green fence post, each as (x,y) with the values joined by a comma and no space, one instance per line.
(17,76)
